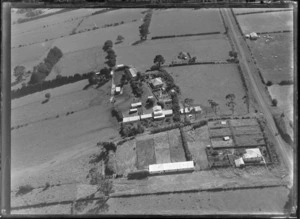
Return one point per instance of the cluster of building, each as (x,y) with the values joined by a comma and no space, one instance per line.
(157,113)
(252,155)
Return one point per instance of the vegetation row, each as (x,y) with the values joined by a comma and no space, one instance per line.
(184,35)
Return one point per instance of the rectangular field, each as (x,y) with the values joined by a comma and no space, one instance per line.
(249,140)
(246,130)
(217,124)
(185,21)
(266,22)
(223,79)
(161,140)
(216,132)
(145,153)
(175,144)
(205,48)
(162,155)
(219,142)
(243,122)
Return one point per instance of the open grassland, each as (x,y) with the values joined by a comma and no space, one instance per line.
(204,48)
(266,22)
(185,21)
(246,201)
(24,112)
(275,57)
(285,97)
(51,21)
(111,17)
(223,80)
(82,61)
(219,142)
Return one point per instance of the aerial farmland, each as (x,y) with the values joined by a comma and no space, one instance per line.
(151,111)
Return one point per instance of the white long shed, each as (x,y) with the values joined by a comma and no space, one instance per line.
(171,167)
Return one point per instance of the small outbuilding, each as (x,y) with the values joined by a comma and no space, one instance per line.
(253,36)
(226,138)
(239,162)
(135,105)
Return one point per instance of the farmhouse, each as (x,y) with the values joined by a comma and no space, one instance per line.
(252,155)
(157,83)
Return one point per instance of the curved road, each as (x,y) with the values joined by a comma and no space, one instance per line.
(286,152)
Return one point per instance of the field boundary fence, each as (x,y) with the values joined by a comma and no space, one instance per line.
(184,35)
(260,12)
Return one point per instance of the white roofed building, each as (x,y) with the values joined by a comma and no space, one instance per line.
(157,82)
(252,155)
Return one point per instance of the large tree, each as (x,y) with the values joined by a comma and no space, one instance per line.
(107,45)
(19,72)
(159,60)
(231,102)
(213,105)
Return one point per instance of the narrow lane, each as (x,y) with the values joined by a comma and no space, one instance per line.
(287,154)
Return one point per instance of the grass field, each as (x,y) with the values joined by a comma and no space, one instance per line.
(217,124)
(126,157)
(111,17)
(249,140)
(219,142)
(219,132)
(185,21)
(246,130)
(82,61)
(223,79)
(205,49)
(285,96)
(243,122)
(247,10)
(275,57)
(145,153)
(266,22)
(197,140)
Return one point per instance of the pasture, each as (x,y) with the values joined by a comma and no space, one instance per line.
(204,82)
(205,48)
(266,22)
(275,57)
(185,21)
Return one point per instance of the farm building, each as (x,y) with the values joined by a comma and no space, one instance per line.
(171,167)
(190,109)
(132,72)
(252,155)
(134,110)
(118,90)
(157,117)
(226,138)
(239,162)
(135,105)
(253,36)
(157,83)
(223,122)
(158,113)
(146,116)
(157,108)
(168,112)
(131,119)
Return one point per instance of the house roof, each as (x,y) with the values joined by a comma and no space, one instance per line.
(132,71)
(157,108)
(238,162)
(252,153)
(157,81)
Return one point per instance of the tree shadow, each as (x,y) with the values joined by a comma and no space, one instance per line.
(87,86)
(45,101)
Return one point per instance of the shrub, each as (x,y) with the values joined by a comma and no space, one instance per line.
(286,82)
(199,124)
(269,83)
(274,102)
(187,152)
(24,190)
(47,95)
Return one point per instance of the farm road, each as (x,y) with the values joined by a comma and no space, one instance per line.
(245,57)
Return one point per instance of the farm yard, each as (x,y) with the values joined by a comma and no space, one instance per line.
(185,21)
(268,22)
(224,79)
(74,140)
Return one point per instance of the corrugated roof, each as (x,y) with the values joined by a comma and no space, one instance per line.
(252,153)
(160,116)
(146,116)
(132,71)
(156,168)
(238,162)
(156,108)
(136,104)
(167,112)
